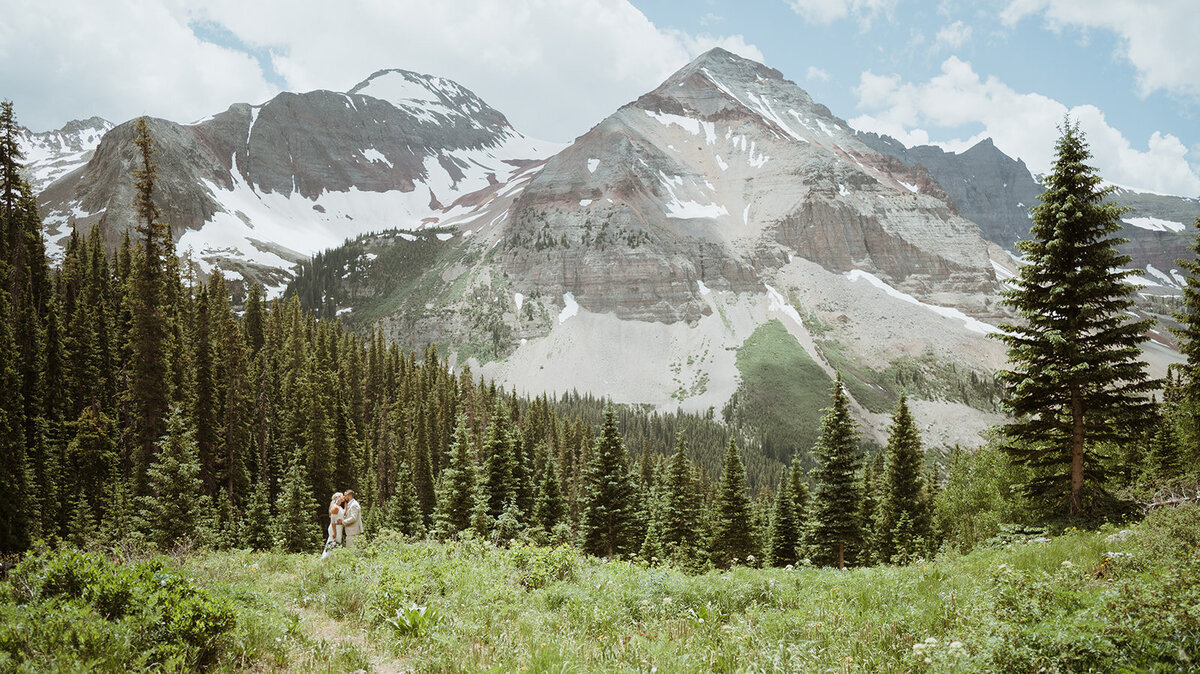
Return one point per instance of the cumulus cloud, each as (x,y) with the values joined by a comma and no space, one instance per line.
(954,35)
(1158,37)
(116,60)
(553,68)
(818,74)
(825,12)
(1022,125)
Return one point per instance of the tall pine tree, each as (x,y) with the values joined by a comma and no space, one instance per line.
(609,511)
(458,484)
(150,330)
(732,535)
(784,534)
(173,512)
(1188,332)
(836,533)
(1076,379)
(903,491)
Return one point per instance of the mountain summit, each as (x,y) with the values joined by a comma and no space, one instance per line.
(257,188)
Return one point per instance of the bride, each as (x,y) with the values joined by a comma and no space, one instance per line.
(336,529)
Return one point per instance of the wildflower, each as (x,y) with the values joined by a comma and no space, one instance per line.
(931,641)
(928,661)
(788,567)
(1067,564)
(956,645)
(917,648)
(667,600)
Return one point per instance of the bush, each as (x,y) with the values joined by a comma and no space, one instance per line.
(69,604)
(537,567)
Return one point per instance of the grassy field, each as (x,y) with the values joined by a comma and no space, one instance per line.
(1079,601)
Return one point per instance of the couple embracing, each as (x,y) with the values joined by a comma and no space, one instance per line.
(345,518)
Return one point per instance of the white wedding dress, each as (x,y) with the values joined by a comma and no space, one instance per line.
(333,534)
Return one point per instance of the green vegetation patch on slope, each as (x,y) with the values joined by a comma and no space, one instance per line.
(782,392)
(925,376)
(376,275)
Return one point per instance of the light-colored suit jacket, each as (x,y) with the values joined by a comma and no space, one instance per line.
(353,518)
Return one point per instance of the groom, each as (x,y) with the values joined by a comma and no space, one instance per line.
(352,522)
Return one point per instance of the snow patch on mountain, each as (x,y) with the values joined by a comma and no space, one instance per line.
(972,324)
(570,308)
(376,157)
(1155,224)
(778,303)
(49,155)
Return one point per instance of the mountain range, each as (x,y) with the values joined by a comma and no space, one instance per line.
(723,244)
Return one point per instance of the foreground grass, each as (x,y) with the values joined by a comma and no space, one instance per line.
(1073,603)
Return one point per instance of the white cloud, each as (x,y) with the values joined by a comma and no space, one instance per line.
(818,74)
(954,35)
(1157,37)
(825,12)
(1022,125)
(553,68)
(117,60)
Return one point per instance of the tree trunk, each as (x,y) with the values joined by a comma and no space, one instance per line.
(1076,501)
(841,554)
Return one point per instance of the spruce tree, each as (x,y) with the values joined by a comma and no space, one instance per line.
(256,531)
(458,484)
(799,494)
(607,522)
(903,488)
(784,533)
(14,479)
(120,522)
(175,485)
(680,518)
(1076,379)
(549,509)
(82,531)
(1188,333)
(836,533)
(294,527)
(732,535)
(498,487)
(404,508)
(150,330)
(422,471)
(871,488)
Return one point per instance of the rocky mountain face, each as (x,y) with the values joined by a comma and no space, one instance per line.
(257,188)
(718,177)
(722,244)
(996,191)
(48,155)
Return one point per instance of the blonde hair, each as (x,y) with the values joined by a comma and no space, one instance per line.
(337,496)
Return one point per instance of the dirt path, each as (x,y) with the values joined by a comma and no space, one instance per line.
(324,628)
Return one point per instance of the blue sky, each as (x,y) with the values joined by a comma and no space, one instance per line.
(945,72)
(1030,48)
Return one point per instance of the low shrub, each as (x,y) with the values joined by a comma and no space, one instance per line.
(114,613)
